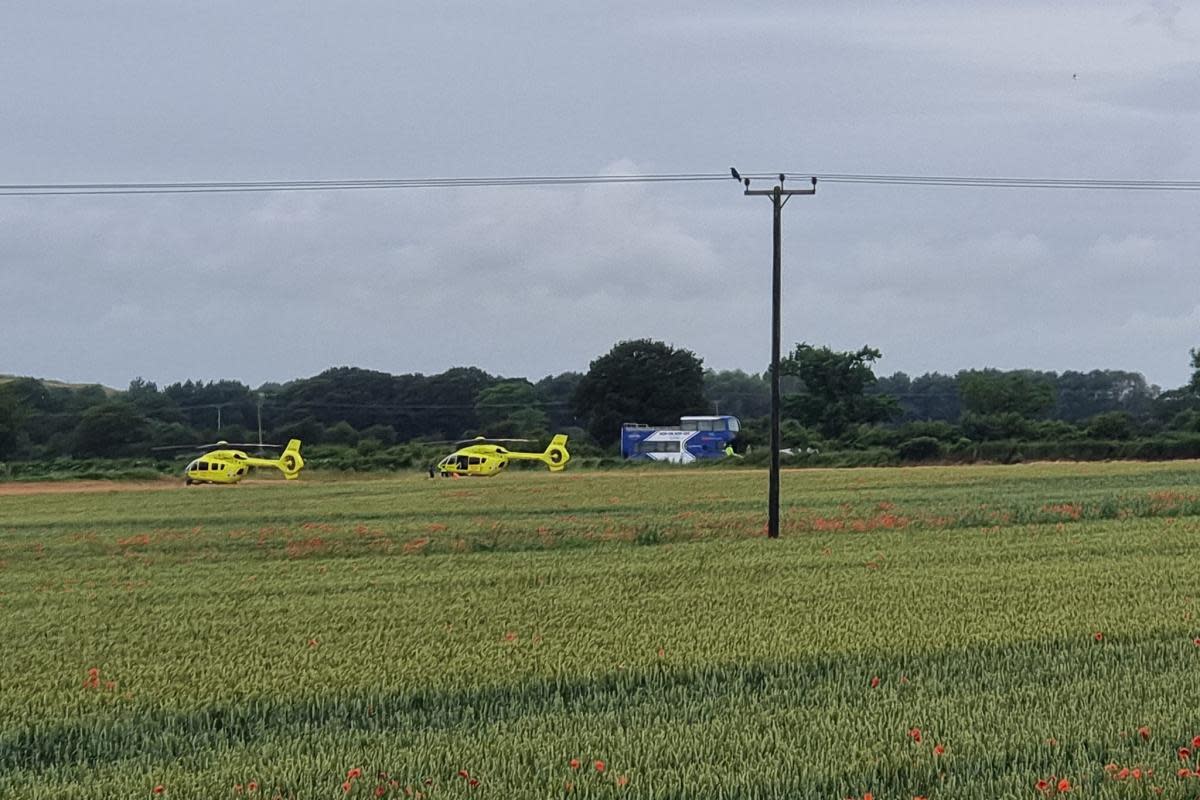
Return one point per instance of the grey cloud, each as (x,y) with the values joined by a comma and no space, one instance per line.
(1171,90)
(108,288)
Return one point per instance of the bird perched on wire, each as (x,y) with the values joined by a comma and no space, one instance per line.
(736,176)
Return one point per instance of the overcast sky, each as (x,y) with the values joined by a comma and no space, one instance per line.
(533,281)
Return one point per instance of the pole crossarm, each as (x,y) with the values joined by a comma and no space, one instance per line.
(784,192)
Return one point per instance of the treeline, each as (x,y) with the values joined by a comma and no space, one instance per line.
(833,403)
(341,406)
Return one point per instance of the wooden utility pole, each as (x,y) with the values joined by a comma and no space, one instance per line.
(779,197)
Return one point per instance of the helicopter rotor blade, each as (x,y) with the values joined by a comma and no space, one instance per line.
(487,440)
(217,446)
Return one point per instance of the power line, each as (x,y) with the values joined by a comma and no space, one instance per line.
(202,187)
(1015,183)
(211,187)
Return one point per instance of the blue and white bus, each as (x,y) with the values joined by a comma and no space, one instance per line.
(695,437)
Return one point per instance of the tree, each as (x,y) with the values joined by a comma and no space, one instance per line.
(738,393)
(146,398)
(1195,383)
(341,432)
(1082,395)
(834,398)
(495,404)
(115,428)
(1111,425)
(11,415)
(639,381)
(990,391)
(931,396)
(360,397)
(554,393)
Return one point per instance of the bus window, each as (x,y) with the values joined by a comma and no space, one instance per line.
(733,424)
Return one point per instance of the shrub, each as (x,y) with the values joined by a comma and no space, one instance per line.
(921,448)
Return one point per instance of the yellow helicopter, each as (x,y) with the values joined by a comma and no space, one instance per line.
(226,464)
(483,457)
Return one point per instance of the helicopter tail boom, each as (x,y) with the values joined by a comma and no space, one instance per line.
(289,462)
(555,456)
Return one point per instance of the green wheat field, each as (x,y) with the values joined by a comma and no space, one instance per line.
(970,632)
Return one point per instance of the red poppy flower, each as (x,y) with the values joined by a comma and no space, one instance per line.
(938,749)
(1041,785)
(622,780)
(1144,732)
(599,765)
(347,786)
(1184,754)
(875,682)
(1196,641)
(354,773)
(1098,636)
(1196,741)
(1064,785)
(915,735)
(574,762)
(1123,774)
(159,789)
(1184,772)
(473,782)
(252,786)
(380,791)
(1137,774)
(462,773)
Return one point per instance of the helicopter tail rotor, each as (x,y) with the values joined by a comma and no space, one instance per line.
(290,463)
(556,455)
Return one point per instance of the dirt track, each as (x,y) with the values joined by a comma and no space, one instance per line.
(71,487)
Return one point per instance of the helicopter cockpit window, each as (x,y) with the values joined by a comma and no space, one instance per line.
(192,466)
(203,466)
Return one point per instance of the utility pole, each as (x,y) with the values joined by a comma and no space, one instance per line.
(779,197)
